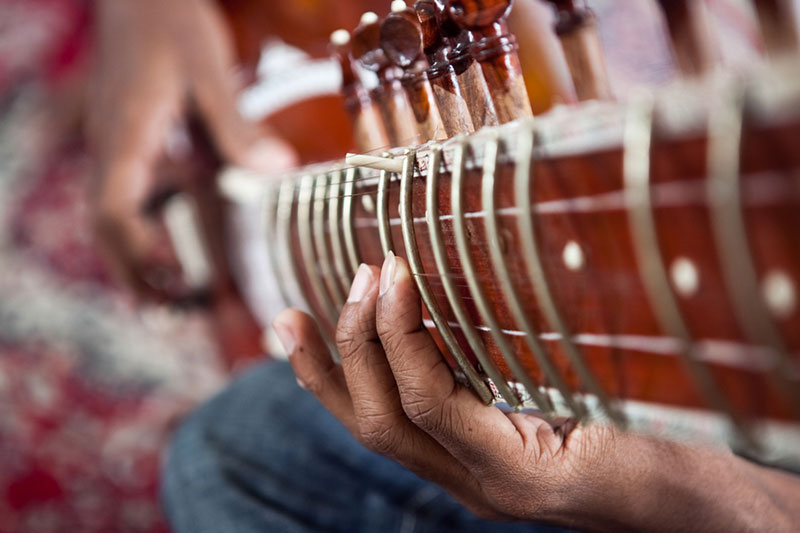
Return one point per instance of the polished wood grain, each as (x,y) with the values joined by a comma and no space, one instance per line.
(395,109)
(494,47)
(401,40)
(368,129)
(448,92)
(693,40)
(576,27)
(778,26)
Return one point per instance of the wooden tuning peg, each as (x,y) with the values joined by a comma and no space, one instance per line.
(367,123)
(693,41)
(401,40)
(778,26)
(388,94)
(494,48)
(447,89)
(576,27)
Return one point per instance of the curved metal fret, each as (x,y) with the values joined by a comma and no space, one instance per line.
(269,208)
(467,264)
(493,238)
(347,218)
(443,265)
(415,262)
(384,226)
(636,175)
(320,242)
(730,231)
(304,216)
(334,223)
(530,247)
(283,230)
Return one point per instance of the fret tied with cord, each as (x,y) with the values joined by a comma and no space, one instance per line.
(628,259)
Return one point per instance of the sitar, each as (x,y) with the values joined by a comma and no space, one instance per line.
(633,263)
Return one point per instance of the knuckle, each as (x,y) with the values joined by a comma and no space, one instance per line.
(378,438)
(313,384)
(434,415)
(423,410)
(351,333)
(388,332)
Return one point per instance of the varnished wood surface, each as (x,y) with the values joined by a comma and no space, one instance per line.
(604,303)
(450,97)
(577,31)
(389,96)
(401,40)
(495,49)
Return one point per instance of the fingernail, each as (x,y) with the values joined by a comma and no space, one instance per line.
(285,335)
(301,384)
(387,273)
(361,284)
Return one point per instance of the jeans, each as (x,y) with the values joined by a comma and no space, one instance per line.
(264,455)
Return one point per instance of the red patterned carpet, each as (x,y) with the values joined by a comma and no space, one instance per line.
(90,385)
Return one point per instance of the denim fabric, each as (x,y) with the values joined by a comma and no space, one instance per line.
(264,455)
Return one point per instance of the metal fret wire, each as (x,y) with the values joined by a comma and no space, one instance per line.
(522,190)
(347,217)
(269,212)
(324,263)
(384,227)
(507,285)
(283,227)
(415,262)
(443,265)
(637,141)
(334,223)
(541,400)
(730,231)
(304,216)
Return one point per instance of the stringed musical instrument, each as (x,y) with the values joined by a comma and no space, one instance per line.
(635,263)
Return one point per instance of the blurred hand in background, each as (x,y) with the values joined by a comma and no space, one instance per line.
(156,60)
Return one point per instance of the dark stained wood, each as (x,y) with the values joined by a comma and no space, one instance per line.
(401,40)
(778,26)
(494,48)
(693,41)
(544,67)
(576,27)
(447,89)
(389,94)
(368,129)
(469,72)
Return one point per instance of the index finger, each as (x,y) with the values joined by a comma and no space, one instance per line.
(431,398)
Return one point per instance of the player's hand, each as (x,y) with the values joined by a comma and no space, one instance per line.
(154,59)
(397,396)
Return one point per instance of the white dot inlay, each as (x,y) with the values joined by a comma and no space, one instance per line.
(573,256)
(779,293)
(685,277)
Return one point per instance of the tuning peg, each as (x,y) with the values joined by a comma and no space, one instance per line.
(576,27)
(401,40)
(388,94)
(364,115)
(494,47)
(693,41)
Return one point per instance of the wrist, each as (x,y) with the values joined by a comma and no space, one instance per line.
(649,484)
